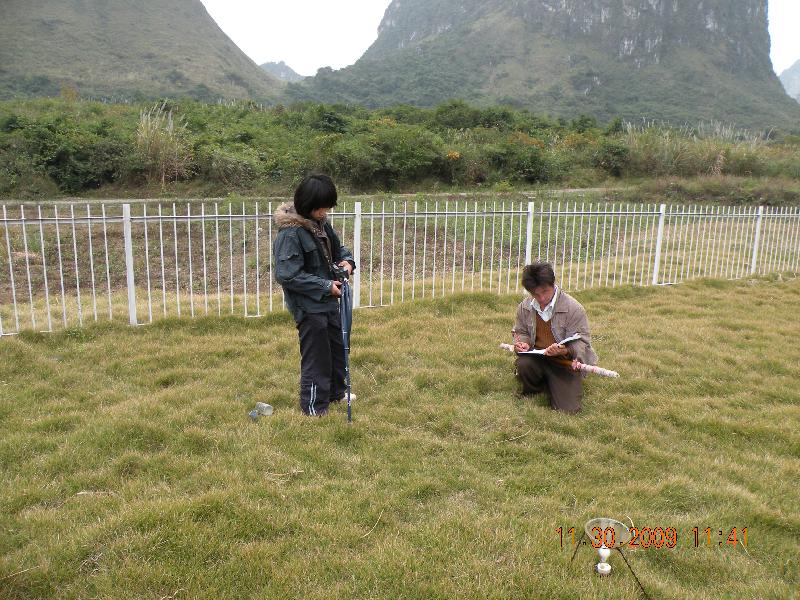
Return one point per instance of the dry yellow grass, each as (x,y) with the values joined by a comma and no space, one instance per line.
(129,468)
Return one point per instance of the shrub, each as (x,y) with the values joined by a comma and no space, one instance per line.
(611,155)
(237,166)
(346,158)
(407,153)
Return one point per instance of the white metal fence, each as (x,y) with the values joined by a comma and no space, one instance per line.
(65,265)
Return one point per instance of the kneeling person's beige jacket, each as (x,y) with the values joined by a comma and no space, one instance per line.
(568,319)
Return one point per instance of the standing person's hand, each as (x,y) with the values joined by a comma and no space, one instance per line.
(346,265)
(336,289)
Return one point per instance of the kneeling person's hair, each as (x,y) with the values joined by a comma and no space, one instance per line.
(538,274)
(315,191)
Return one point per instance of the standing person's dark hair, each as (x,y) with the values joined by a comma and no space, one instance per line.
(538,274)
(315,191)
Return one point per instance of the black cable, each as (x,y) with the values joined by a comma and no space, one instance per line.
(633,573)
(580,541)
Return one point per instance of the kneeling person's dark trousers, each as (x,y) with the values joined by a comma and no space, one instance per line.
(322,371)
(538,375)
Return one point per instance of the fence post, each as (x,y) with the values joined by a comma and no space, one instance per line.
(529,236)
(357,257)
(757,240)
(126,223)
(659,240)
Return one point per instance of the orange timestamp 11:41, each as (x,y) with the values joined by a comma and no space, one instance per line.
(659,537)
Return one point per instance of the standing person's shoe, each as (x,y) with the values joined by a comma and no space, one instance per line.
(319,413)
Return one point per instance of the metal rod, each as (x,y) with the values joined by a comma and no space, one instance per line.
(147,267)
(483,245)
(403,259)
(77,273)
(60,271)
(435,248)
(11,270)
(91,261)
(258,268)
(230,250)
(464,244)
(44,275)
(219,264)
(205,262)
(444,249)
(659,241)
(191,266)
(24,228)
(669,252)
(414,258)
(588,248)
(603,251)
(424,252)
(572,249)
(394,252)
(371,250)
(161,253)
(491,250)
(126,219)
(271,257)
(108,269)
(244,259)
(502,242)
(383,229)
(474,245)
(177,266)
(692,233)
(519,249)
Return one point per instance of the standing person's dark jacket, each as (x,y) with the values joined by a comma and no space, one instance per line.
(304,251)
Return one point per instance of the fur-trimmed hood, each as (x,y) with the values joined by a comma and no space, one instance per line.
(286,216)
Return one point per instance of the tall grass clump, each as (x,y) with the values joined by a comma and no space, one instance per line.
(707,149)
(160,141)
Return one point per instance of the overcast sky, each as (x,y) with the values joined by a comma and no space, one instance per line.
(309,34)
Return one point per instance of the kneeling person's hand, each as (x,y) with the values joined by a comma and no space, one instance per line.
(556,350)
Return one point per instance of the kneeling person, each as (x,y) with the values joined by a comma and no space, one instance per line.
(543,320)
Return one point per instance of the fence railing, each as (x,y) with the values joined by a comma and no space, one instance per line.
(64,265)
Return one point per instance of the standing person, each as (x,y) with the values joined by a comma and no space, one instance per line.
(306,250)
(543,320)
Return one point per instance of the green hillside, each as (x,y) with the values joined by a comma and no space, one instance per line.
(682,63)
(282,71)
(123,49)
(791,80)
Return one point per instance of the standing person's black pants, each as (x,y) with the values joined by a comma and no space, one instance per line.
(322,371)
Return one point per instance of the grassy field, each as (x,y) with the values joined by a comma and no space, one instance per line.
(129,467)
